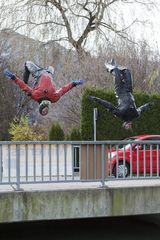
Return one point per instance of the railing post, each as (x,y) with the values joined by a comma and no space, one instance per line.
(95,113)
(1,164)
(18,166)
(102,165)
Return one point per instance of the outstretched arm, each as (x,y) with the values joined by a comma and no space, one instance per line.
(104,103)
(18,81)
(143,108)
(68,87)
(23,86)
(64,89)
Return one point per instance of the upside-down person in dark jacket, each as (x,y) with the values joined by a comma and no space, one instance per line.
(44,91)
(126,109)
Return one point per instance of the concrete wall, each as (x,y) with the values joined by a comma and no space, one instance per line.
(78,203)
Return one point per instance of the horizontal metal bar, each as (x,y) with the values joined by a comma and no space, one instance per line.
(82,142)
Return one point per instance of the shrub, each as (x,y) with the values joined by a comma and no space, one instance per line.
(74,135)
(20,130)
(56,133)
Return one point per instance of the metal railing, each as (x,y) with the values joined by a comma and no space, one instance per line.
(78,161)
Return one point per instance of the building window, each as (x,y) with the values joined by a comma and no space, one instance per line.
(76,158)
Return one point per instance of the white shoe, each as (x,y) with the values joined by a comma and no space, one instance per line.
(110,65)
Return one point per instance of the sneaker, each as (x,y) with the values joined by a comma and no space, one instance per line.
(110,65)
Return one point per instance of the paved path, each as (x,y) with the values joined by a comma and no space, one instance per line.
(82,185)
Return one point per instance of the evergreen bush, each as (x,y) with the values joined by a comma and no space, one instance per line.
(56,133)
(74,135)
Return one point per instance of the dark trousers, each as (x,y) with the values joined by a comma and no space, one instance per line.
(31,68)
(123,81)
(26,75)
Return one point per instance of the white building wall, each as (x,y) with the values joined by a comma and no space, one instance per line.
(38,160)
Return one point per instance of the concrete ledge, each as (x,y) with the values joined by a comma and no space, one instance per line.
(78,203)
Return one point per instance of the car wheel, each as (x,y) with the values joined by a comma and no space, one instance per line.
(123,168)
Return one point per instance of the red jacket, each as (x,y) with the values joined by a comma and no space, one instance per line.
(44,89)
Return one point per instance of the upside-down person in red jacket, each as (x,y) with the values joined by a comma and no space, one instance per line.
(44,91)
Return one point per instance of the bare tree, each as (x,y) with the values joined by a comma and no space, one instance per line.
(75,22)
(72,21)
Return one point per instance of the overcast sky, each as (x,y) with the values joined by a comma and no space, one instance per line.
(151,30)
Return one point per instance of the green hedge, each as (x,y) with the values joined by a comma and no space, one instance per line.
(56,133)
(109,126)
(74,135)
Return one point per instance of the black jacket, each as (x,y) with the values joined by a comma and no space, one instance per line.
(126,109)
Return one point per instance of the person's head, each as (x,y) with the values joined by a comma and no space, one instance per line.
(44,107)
(127,125)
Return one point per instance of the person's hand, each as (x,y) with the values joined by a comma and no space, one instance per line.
(9,74)
(78,82)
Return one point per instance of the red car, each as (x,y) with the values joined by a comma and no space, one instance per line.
(136,158)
